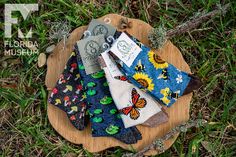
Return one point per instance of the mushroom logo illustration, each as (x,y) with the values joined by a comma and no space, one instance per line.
(77,77)
(73,67)
(73,109)
(66,100)
(68,88)
(58,101)
(54,91)
(78,89)
(74,98)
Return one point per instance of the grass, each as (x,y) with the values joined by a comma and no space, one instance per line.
(209,50)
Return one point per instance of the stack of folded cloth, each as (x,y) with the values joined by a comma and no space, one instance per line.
(114,81)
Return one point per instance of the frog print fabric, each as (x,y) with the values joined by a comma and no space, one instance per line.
(67,94)
(160,79)
(104,116)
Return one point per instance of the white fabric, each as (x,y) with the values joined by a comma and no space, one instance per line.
(121,94)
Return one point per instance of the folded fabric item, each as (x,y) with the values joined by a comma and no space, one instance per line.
(67,94)
(136,106)
(67,91)
(146,70)
(104,116)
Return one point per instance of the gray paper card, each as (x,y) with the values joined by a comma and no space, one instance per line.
(89,49)
(97,27)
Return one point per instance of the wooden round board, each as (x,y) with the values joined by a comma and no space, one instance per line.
(178,113)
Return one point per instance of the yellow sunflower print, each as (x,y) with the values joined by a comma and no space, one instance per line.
(144,80)
(157,62)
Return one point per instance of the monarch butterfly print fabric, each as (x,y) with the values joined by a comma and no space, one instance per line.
(160,79)
(135,106)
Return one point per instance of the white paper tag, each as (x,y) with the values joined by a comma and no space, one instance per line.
(125,49)
(111,65)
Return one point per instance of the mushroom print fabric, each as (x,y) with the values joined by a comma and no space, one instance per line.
(136,107)
(67,94)
(149,72)
(104,117)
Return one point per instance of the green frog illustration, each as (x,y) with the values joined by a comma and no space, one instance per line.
(91,84)
(105,84)
(112,129)
(118,116)
(91,92)
(97,75)
(113,111)
(98,111)
(97,119)
(106,100)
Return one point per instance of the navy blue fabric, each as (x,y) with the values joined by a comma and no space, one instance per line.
(104,116)
(69,101)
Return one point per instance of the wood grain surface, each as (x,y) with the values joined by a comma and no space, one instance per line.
(178,113)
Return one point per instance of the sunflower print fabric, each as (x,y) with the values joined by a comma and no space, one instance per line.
(144,80)
(162,80)
(104,116)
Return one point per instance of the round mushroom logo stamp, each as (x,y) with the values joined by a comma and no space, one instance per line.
(92,49)
(100,29)
(124,47)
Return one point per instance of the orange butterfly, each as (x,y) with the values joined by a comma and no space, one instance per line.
(137,103)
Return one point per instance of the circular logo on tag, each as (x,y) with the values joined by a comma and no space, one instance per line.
(123,47)
(92,49)
(100,29)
